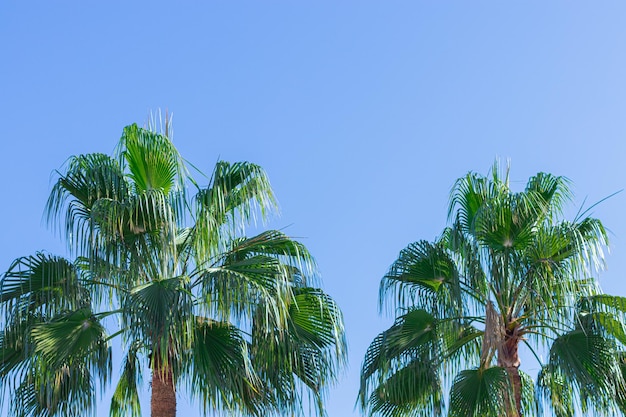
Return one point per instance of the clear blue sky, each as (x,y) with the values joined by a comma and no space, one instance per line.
(362,112)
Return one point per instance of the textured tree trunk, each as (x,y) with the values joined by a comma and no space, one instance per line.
(163,400)
(516,383)
(508,358)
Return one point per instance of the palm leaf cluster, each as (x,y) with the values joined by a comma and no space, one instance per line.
(237,322)
(507,273)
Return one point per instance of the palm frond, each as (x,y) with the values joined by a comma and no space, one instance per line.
(470,194)
(587,361)
(125,400)
(480,393)
(554,392)
(41,283)
(550,192)
(158,314)
(613,303)
(414,389)
(235,288)
(317,320)
(67,391)
(530,405)
(234,195)
(300,358)
(153,161)
(87,179)
(73,337)
(51,366)
(412,338)
(263,269)
(221,374)
(424,275)
(273,243)
(16,353)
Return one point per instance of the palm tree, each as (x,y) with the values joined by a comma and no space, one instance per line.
(237,322)
(508,272)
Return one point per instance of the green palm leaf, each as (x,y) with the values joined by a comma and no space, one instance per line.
(125,400)
(300,356)
(52,365)
(228,203)
(236,287)
(221,373)
(67,391)
(76,336)
(480,392)
(422,274)
(587,360)
(555,392)
(152,159)
(316,319)
(42,282)
(158,314)
(414,389)
(88,179)
(410,331)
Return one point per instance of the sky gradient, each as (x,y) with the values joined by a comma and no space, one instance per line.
(362,113)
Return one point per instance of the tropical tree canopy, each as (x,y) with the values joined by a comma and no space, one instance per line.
(161,264)
(508,273)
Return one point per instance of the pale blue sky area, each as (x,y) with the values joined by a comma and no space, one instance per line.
(363,113)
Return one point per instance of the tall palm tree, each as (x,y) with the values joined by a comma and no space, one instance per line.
(236,322)
(508,272)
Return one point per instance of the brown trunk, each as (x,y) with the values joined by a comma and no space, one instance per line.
(508,358)
(516,383)
(163,401)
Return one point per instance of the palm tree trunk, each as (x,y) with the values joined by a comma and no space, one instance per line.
(163,400)
(516,383)
(508,358)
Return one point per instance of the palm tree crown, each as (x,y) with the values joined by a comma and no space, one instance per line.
(237,322)
(507,272)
